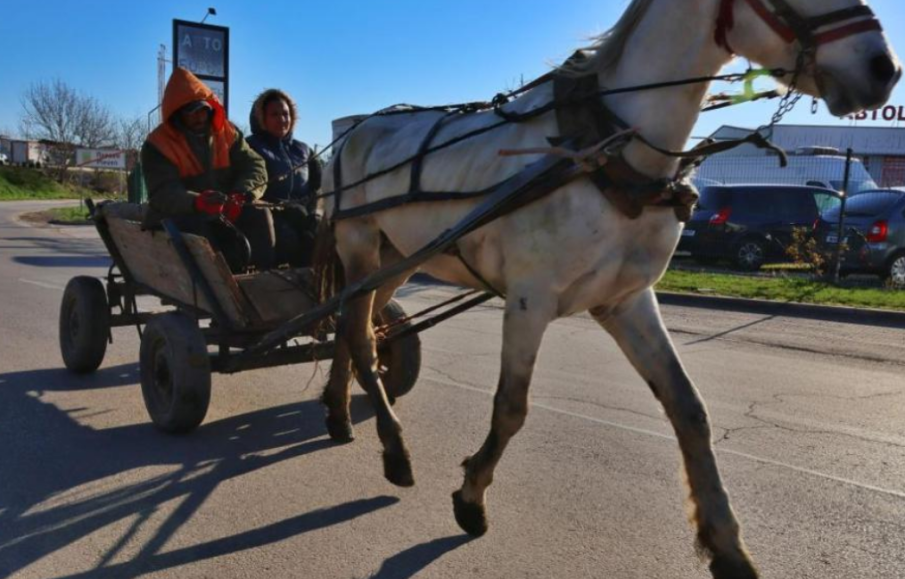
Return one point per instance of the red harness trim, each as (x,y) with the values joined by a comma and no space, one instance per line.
(847,30)
(726,21)
(773,21)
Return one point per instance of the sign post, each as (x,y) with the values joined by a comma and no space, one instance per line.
(203,50)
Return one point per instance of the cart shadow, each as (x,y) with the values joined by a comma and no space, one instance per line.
(62,479)
(65,261)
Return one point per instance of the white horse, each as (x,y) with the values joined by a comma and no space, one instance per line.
(572,251)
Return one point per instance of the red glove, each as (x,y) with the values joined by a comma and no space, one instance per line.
(233,208)
(210,202)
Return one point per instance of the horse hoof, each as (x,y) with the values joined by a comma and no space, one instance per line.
(471,517)
(340,430)
(397,468)
(726,568)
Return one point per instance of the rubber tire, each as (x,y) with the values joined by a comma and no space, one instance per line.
(84,324)
(745,263)
(175,373)
(888,276)
(399,364)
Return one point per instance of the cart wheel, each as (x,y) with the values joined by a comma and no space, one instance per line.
(399,363)
(84,324)
(175,373)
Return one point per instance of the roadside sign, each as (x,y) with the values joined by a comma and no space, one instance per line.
(100,159)
(203,49)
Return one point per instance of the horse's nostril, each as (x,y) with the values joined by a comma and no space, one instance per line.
(883,68)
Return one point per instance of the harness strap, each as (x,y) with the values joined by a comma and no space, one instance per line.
(455,251)
(338,177)
(584,122)
(418,162)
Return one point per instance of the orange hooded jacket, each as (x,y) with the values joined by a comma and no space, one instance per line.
(183,88)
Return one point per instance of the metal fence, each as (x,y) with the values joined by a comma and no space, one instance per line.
(858,224)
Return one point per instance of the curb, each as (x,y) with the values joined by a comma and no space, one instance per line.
(840,314)
(847,315)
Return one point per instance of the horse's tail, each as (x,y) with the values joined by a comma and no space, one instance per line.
(329,276)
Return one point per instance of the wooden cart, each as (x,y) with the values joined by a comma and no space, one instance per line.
(210,321)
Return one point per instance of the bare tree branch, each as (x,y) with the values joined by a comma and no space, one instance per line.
(131,133)
(55,111)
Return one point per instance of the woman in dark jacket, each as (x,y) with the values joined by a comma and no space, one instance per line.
(294,175)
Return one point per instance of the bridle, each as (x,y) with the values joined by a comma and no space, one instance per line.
(785,21)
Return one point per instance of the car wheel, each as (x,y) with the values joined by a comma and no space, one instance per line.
(750,255)
(896,272)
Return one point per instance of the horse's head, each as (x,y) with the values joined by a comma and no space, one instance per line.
(838,46)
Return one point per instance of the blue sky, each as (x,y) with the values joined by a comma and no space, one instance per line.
(336,58)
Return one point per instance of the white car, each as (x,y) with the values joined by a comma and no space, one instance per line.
(3,159)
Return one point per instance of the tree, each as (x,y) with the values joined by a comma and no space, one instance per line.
(131,133)
(56,112)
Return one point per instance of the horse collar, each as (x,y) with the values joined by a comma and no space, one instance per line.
(791,26)
(586,121)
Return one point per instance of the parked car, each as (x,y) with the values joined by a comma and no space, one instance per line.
(4,160)
(752,224)
(874,234)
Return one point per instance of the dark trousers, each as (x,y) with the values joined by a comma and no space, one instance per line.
(296,230)
(250,241)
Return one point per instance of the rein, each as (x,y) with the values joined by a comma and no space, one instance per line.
(496,105)
(783,19)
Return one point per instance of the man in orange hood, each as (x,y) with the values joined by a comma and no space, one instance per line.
(201,173)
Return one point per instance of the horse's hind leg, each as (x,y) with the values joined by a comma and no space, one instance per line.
(640,332)
(360,253)
(524,324)
(336,396)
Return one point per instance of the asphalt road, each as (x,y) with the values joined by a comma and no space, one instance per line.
(809,424)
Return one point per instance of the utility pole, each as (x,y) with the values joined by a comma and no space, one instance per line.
(161,78)
(840,227)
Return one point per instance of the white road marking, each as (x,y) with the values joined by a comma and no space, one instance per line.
(620,426)
(43,284)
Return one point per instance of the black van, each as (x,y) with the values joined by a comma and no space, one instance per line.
(752,224)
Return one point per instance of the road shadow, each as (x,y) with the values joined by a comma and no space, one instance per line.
(59,480)
(723,334)
(59,252)
(410,562)
(62,245)
(65,261)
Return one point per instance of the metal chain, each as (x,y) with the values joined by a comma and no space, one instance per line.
(786,104)
(792,96)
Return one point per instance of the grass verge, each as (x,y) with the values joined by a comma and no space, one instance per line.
(782,289)
(68,215)
(59,216)
(26,184)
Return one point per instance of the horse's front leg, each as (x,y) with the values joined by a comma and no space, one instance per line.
(524,324)
(640,332)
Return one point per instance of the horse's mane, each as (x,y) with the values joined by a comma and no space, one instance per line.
(606,49)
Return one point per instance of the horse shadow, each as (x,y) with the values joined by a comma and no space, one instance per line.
(56,487)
